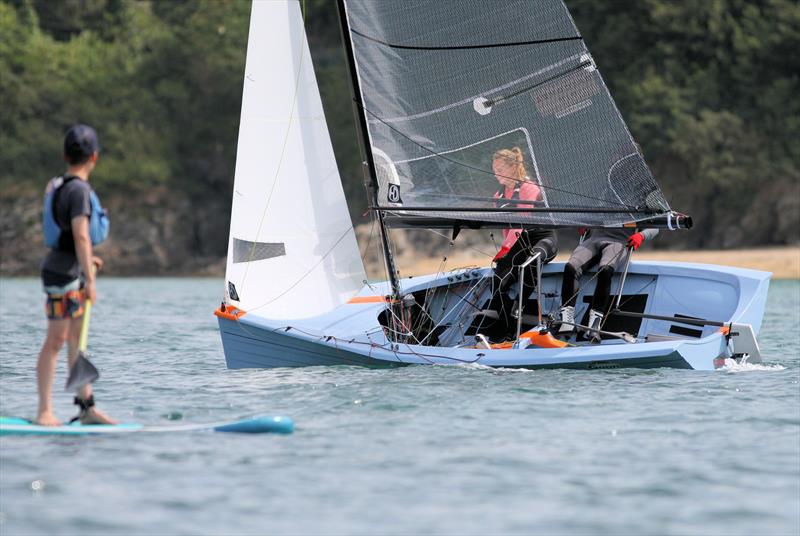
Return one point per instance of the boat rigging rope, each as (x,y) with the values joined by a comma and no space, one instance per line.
(434,231)
(431,289)
(393,347)
(369,241)
(428,293)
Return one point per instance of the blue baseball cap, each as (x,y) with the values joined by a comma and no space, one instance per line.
(80,143)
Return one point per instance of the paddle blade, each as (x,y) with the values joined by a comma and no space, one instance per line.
(82,373)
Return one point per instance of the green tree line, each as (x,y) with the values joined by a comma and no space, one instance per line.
(709,90)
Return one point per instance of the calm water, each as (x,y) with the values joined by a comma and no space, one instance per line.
(456,450)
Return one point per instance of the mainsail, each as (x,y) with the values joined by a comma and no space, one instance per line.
(445,84)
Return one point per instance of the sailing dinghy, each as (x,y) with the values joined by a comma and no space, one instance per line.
(438,87)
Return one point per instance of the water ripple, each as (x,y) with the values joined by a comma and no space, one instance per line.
(460,449)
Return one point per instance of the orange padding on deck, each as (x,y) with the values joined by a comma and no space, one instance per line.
(542,340)
(229,312)
(369,299)
(725,330)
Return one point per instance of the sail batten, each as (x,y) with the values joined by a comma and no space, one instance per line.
(442,94)
(466,47)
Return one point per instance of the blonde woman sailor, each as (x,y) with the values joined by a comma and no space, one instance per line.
(518,245)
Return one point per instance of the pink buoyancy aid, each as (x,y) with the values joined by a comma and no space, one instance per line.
(524,191)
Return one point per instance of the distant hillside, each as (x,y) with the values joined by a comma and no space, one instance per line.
(709,90)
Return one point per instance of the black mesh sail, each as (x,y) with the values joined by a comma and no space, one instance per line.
(445,84)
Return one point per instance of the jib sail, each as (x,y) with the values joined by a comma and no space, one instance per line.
(292,252)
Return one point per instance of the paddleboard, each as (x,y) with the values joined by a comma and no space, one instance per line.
(255,425)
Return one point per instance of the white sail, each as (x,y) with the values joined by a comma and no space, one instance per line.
(292,252)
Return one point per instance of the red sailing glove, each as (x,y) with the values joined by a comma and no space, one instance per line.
(635,240)
(502,253)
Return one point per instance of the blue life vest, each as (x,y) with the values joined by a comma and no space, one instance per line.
(54,237)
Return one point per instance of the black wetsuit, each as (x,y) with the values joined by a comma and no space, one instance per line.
(529,242)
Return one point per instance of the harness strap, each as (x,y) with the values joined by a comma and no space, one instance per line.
(57,193)
(66,242)
(501,194)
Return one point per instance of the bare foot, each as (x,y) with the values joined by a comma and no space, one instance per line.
(95,416)
(47,419)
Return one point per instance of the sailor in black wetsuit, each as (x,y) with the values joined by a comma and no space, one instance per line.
(606,248)
(518,244)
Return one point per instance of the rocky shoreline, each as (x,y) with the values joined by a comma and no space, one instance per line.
(152,235)
(158,235)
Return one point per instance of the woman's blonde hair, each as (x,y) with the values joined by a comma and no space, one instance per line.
(513,158)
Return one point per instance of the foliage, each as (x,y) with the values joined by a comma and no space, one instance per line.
(709,89)
(162,87)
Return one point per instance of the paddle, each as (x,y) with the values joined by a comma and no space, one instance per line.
(82,371)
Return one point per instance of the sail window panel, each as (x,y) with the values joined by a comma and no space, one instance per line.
(455,176)
(248,251)
(444,85)
(565,95)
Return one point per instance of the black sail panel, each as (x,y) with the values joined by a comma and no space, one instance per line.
(446,84)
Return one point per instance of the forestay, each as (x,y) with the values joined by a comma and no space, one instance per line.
(292,252)
(446,84)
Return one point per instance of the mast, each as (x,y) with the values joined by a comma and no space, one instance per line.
(365,143)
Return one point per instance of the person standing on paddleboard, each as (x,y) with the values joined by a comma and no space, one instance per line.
(72,215)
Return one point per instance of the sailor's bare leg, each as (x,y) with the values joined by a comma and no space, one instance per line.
(57,332)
